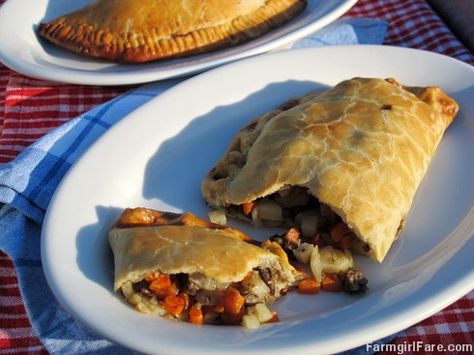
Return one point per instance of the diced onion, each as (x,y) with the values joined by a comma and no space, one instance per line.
(255,285)
(218,217)
(335,260)
(263,313)
(250,321)
(303,252)
(315,264)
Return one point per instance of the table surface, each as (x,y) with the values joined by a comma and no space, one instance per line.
(29,108)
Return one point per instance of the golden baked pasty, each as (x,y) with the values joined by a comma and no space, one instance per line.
(342,165)
(183,267)
(146,30)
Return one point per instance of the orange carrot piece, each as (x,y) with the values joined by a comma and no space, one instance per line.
(163,286)
(248,207)
(308,286)
(174,304)
(233,301)
(331,283)
(195,314)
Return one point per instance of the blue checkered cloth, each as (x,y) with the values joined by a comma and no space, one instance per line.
(28,183)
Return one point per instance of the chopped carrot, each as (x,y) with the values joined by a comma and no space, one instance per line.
(339,231)
(163,286)
(174,304)
(331,283)
(308,286)
(233,301)
(248,207)
(195,314)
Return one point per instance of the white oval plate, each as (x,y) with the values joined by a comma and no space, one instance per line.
(23,51)
(157,157)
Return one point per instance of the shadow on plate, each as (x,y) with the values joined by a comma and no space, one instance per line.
(94,256)
(175,172)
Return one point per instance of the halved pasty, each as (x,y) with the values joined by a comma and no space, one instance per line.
(183,267)
(343,165)
(145,30)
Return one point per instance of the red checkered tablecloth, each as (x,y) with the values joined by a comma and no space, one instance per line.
(29,108)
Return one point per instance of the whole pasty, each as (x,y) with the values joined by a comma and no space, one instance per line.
(183,267)
(145,30)
(342,165)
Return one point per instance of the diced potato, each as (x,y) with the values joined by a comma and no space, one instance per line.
(255,285)
(263,313)
(315,264)
(250,321)
(310,225)
(218,217)
(303,252)
(269,210)
(335,260)
(309,222)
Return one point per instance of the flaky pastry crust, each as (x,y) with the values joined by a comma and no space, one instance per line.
(361,147)
(145,240)
(146,30)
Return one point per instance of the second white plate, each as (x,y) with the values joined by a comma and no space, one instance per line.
(23,51)
(158,156)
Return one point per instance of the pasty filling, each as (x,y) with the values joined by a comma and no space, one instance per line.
(317,236)
(201,300)
(295,207)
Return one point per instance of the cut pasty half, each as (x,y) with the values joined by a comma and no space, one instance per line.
(342,165)
(183,267)
(145,30)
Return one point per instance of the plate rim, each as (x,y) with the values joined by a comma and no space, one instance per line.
(467,280)
(75,76)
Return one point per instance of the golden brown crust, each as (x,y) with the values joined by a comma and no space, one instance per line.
(142,241)
(140,216)
(145,30)
(361,147)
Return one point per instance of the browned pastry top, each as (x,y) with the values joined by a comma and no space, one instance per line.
(361,148)
(145,30)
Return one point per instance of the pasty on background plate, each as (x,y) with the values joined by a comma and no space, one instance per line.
(182,267)
(343,165)
(145,30)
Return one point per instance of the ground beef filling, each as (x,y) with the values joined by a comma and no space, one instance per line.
(200,300)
